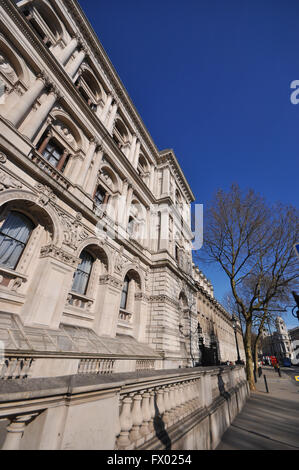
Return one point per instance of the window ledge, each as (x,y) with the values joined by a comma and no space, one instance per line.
(11,280)
(79,301)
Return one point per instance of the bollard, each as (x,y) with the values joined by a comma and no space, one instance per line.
(278,370)
(254,373)
(266,385)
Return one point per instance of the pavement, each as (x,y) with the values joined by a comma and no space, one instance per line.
(268,421)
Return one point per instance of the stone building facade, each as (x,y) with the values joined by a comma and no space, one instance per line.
(217,339)
(96,269)
(278,343)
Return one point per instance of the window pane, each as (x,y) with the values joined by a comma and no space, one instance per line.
(99,196)
(81,276)
(14,235)
(124,294)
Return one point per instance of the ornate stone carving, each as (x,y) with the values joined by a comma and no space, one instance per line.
(141,296)
(163,298)
(58,253)
(3,158)
(46,195)
(7,69)
(73,229)
(111,281)
(65,132)
(8,182)
(16,284)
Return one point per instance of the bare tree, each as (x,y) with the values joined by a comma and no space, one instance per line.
(253,244)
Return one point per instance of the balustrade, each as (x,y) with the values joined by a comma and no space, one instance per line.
(153,408)
(96,366)
(15,367)
(39,161)
(141,412)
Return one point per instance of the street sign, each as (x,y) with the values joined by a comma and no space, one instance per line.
(297,378)
(296,248)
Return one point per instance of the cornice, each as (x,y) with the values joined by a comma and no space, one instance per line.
(168,156)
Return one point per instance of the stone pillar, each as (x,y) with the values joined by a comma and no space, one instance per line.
(122,201)
(87,162)
(37,119)
(164,229)
(107,305)
(74,66)
(18,112)
(112,116)
(45,142)
(166,180)
(62,160)
(128,205)
(106,108)
(90,186)
(55,270)
(68,51)
(151,180)
(140,319)
(15,431)
(132,148)
(136,155)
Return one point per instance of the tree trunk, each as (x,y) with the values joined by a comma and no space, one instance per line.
(255,352)
(248,354)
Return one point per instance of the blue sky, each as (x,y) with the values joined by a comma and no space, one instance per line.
(211,79)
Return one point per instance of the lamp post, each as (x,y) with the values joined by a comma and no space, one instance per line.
(234,323)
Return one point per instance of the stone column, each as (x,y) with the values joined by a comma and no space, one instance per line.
(68,51)
(151,180)
(164,229)
(18,112)
(132,148)
(74,66)
(90,185)
(15,431)
(107,305)
(136,155)
(112,116)
(106,107)
(87,161)
(128,205)
(34,123)
(122,201)
(55,270)
(62,160)
(166,181)
(45,141)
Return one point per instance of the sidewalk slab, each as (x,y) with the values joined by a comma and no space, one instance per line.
(268,421)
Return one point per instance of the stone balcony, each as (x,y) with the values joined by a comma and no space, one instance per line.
(177,409)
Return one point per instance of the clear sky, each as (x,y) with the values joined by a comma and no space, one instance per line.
(211,79)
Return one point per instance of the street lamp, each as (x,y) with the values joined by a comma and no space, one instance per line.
(234,323)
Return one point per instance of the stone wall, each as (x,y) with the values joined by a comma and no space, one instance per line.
(186,409)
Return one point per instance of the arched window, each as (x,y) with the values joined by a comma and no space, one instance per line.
(124,293)
(89,88)
(100,196)
(14,235)
(82,274)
